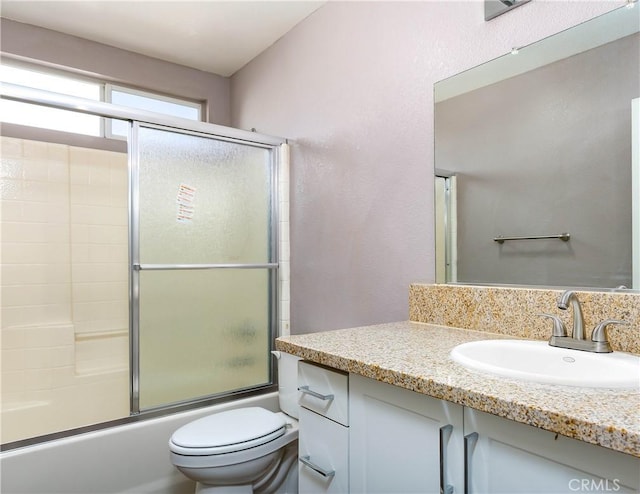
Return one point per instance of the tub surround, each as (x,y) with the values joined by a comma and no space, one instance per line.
(415,355)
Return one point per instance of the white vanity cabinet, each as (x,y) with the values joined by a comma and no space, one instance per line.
(402,441)
(323,442)
(506,457)
(406,442)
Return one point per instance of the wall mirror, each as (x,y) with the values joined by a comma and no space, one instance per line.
(494,8)
(536,162)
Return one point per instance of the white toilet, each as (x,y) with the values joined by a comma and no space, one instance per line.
(246,450)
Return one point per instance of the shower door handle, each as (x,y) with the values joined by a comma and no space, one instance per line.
(179,267)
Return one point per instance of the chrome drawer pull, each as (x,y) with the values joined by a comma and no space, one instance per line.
(306,460)
(306,390)
(470,441)
(445,435)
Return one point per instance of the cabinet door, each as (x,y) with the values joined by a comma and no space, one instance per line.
(507,457)
(323,447)
(396,438)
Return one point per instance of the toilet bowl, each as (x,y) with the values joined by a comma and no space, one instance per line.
(245,450)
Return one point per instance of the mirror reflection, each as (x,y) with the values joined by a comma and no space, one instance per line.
(536,157)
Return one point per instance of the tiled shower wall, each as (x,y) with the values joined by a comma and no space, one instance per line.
(64,287)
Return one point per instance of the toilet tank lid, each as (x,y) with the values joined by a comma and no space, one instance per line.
(228,428)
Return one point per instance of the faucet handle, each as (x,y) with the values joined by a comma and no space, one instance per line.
(600,332)
(559,329)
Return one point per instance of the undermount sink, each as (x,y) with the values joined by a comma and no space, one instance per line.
(538,362)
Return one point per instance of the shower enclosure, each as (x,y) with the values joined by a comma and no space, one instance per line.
(140,281)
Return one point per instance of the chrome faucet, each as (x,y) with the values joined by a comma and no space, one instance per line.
(570,297)
(599,339)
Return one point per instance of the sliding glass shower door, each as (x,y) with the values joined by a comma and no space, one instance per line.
(204,268)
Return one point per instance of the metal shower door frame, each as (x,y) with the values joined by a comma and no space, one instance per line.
(137,118)
(135,267)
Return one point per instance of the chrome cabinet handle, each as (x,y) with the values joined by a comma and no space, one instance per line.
(470,440)
(306,460)
(307,391)
(445,434)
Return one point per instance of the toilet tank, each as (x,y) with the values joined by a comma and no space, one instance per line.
(288,383)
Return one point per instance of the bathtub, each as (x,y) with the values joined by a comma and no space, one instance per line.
(126,459)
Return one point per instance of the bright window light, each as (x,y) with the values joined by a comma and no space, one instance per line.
(50,118)
(69,121)
(143,100)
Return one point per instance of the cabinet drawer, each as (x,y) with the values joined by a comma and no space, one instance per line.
(323,455)
(324,391)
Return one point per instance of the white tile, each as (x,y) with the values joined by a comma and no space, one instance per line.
(58,193)
(99,173)
(100,291)
(284,233)
(35,273)
(19,232)
(57,152)
(11,189)
(78,174)
(119,253)
(13,359)
(285,310)
(37,358)
(38,212)
(79,234)
(11,338)
(56,313)
(284,212)
(11,210)
(58,172)
(78,193)
(12,382)
(11,168)
(58,233)
(284,271)
(38,379)
(284,290)
(11,146)
(35,169)
(29,295)
(62,356)
(34,149)
(63,376)
(47,336)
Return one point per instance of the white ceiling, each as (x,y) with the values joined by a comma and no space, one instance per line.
(215,36)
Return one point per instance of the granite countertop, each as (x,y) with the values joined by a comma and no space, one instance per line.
(415,356)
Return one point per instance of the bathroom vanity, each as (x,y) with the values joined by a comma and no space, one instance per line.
(416,421)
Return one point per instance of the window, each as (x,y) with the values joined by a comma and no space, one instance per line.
(144,100)
(55,119)
(50,118)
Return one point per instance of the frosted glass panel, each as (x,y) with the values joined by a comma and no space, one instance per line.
(202,332)
(202,200)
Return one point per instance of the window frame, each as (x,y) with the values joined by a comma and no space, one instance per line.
(105,89)
(108,89)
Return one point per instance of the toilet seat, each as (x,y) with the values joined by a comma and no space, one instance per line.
(227,432)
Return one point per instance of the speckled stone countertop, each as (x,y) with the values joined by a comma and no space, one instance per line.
(415,356)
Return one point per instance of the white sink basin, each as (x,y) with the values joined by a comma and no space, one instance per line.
(537,361)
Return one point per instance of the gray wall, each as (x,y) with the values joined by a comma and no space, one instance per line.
(546,152)
(27,42)
(352,87)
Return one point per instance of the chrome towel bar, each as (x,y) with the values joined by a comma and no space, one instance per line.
(562,236)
